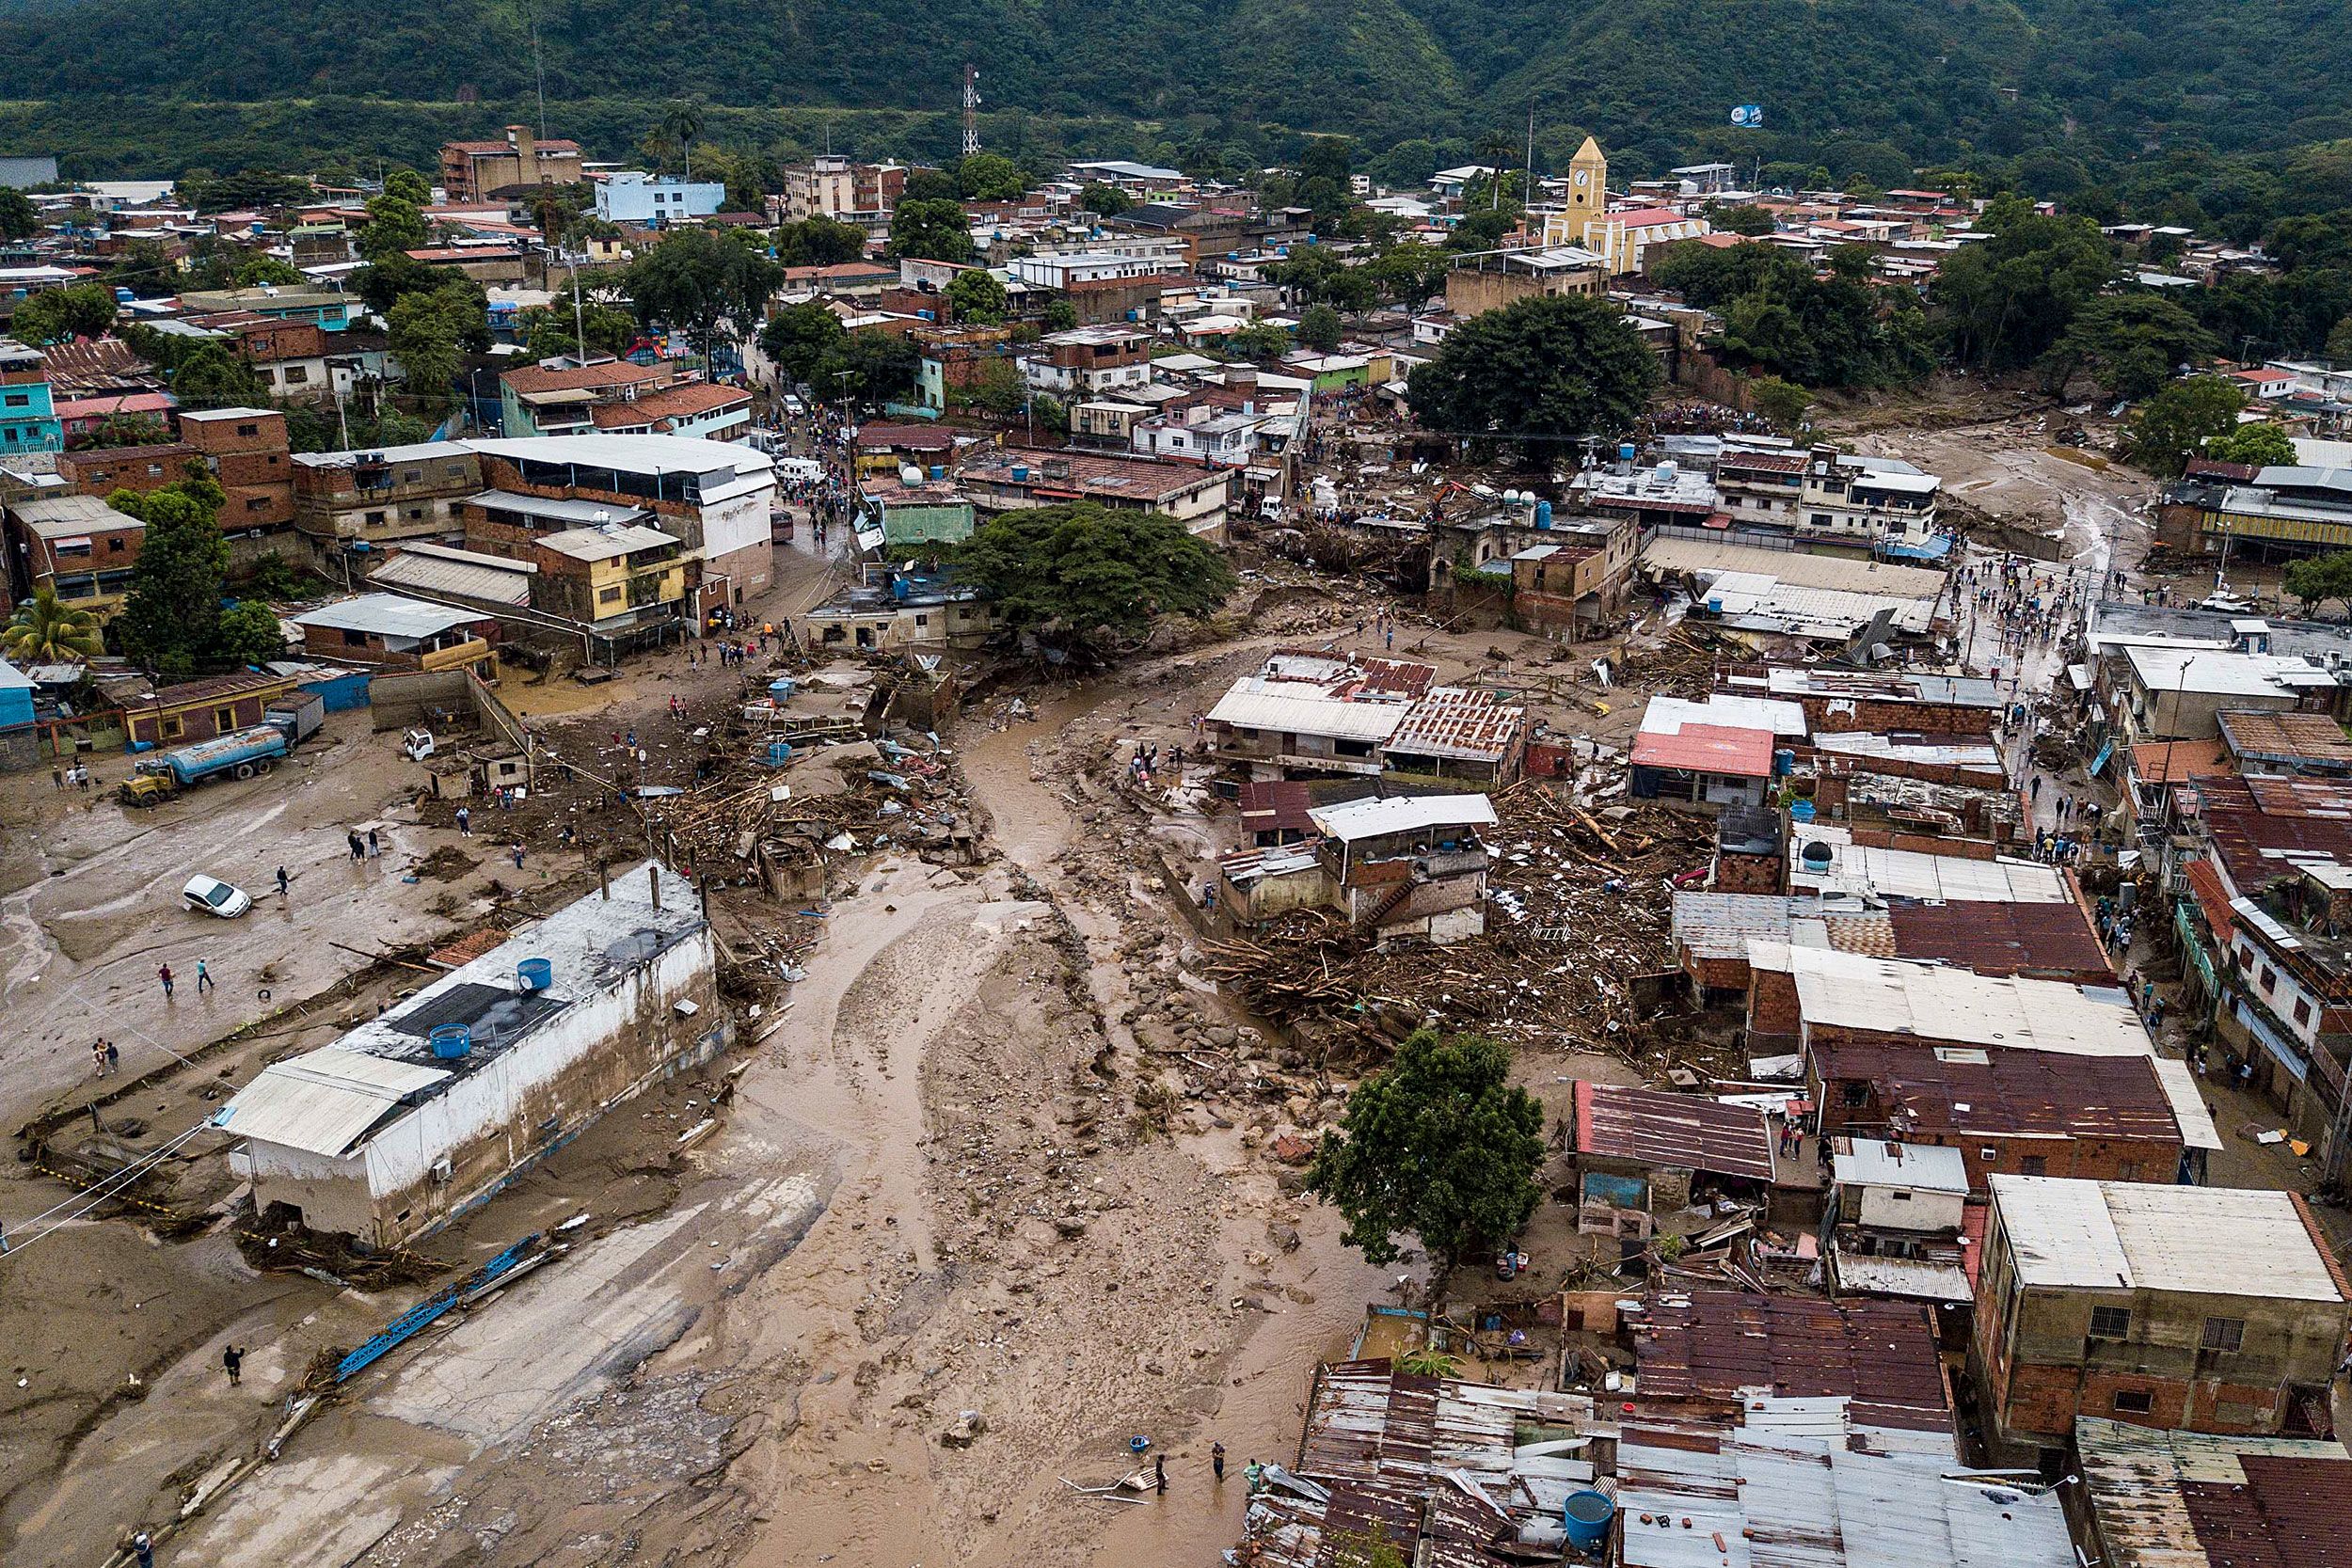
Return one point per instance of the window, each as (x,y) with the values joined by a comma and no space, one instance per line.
(2302,1012)
(1899,1195)
(249,430)
(20,400)
(2110,1323)
(922,620)
(172,728)
(2133,1402)
(2223,1334)
(258,503)
(373,519)
(609,595)
(2033,1165)
(224,719)
(2270,978)
(353,638)
(114,547)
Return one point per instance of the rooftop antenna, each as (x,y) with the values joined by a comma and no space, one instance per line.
(970,110)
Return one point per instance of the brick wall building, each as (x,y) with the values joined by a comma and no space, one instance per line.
(247,452)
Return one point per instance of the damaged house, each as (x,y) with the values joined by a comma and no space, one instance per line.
(1408,865)
(417,1115)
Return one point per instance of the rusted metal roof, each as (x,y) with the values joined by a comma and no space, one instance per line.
(2188,1500)
(2051,942)
(1723,1345)
(2244,825)
(1469,726)
(2310,739)
(1675,1131)
(2005,1092)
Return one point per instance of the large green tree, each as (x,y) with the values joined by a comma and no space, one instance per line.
(19,219)
(206,376)
(430,333)
(1092,577)
(2260,446)
(2174,425)
(171,621)
(1103,200)
(395,224)
(2008,298)
(931,231)
(990,177)
(708,285)
(2315,580)
(798,337)
(977,299)
(1439,1146)
(1319,327)
(1537,375)
(819,242)
(2131,345)
(60,315)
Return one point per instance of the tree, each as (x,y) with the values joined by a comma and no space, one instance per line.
(429,334)
(395,224)
(2257,446)
(407,185)
(1544,371)
(708,285)
(550,330)
(1783,403)
(1107,200)
(207,376)
(977,299)
(817,241)
(797,337)
(249,633)
(2007,299)
(1261,344)
(1319,327)
(2315,580)
(682,121)
(1440,1146)
(873,367)
(1088,576)
(254,188)
(2339,342)
(46,630)
(931,231)
(60,315)
(1061,316)
(999,389)
(2174,425)
(171,621)
(1745,217)
(254,271)
(930,185)
(2131,345)
(990,177)
(19,219)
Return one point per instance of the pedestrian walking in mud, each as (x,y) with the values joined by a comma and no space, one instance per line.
(232,1360)
(282,882)
(203,979)
(1216,1459)
(1159,1473)
(114,1058)
(162,972)
(465,822)
(98,1058)
(375,844)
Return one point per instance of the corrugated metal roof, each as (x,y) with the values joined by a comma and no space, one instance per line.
(1370,818)
(1679,1131)
(2162,1498)
(1941,1002)
(1706,749)
(1793,1499)
(1259,704)
(1727,1345)
(321,1102)
(1467,726)
(2129,1235)
(1907,1278)
(507,582)
(1864,871)
(1923,1167)
(387,615)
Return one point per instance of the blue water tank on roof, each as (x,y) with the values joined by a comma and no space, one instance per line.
(450,1041)
(535,973)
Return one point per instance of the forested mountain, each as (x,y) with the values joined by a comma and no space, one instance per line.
(1860,88)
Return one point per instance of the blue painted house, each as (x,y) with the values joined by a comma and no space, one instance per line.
(28,417)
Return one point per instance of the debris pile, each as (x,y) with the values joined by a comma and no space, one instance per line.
(1577,952)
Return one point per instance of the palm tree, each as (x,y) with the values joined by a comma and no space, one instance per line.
(1497,148)
(682,122)
(46,630)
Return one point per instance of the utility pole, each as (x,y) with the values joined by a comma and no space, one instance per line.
(970,110)
(580,327)
(539,70)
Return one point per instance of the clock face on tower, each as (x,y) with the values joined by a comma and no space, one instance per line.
(1583,176)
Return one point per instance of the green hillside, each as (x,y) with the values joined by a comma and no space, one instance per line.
(1859,86)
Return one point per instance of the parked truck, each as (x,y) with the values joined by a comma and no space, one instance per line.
(239,754)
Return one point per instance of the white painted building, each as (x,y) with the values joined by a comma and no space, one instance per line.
(417,1115)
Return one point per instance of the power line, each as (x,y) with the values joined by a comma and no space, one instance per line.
(104,1191)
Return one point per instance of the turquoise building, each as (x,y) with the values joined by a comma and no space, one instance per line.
(28,417)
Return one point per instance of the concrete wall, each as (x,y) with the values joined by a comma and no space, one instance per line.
(515,1108)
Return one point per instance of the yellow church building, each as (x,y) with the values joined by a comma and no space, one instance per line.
(1621,238)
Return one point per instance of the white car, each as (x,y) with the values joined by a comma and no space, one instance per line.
(210,895)
(792,404)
